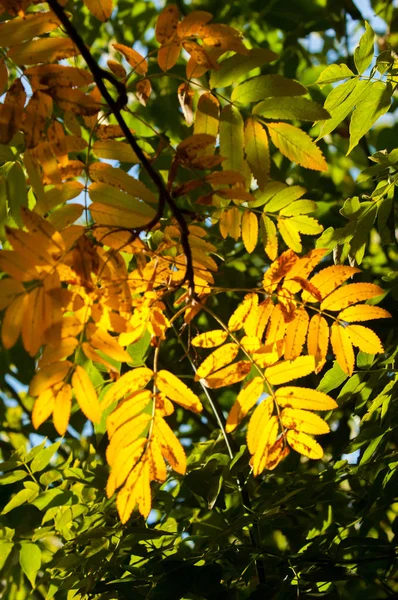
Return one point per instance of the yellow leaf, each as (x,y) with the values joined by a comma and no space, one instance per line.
(276,329)
(12,321)
(86,395)
(328,280)
(270,237)
(249,230)
(231,139)
(304,398)
(19,29)
(363,312)
(115,150)
(247,398)
(301,269)
(44,76)
(207,117)
(166,25)
(342,348)
(133,57)
(208,339)
(128,383)
(127,433)
(351,294)
(43,407)
(267,439)
(257,151)
(132,406)
(236,217)
(288,370)
(135,491)
(229,375)
(103,341)
(263,315)
(171,447)
(297,146)
(52,354)
(276,453)
(49,49)
(239,316)
(250,343)
(318,340)
(216,360)
(223,37)
(290,234)
(365,339)
(157,466)
(199,55)
(49,376)
(258,422)
(104,173)
(304,420)
(279,269)
(177,391)
(101,9)
(266,356)
(62,408)
(124,463)
(168,54)
(296,332)
(304,444)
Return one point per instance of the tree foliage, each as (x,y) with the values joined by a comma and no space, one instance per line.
(198,257)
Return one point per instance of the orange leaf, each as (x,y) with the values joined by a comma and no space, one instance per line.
(62,408)
(128,383)
(342,348)
(318,340)
(229,375)
(329,279)
(192,25)
(249,230)
(86,395)
(177,391)
(363,312)
(168,55)
(296,333)
(134,58)
(101,9)
(166,25)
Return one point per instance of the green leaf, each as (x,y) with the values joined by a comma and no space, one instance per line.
(360,238)
(30,560)
(231,139)
(5,549)
(265,86)
(284,198)
(238,65)
(42,459)
(12,477)
(334,73)
(257,151)
(363,54)
(341,101)
(376,103)
(17,192)
(306,225)
(332,379)
(299,207)
(20,498)
(297,146)
(290,235)
(291,109)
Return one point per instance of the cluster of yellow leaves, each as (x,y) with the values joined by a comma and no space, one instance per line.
(296,311)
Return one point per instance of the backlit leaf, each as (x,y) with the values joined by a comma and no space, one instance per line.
(351,294)
(101,9)
(363,53)
(304,444)
(342,348)
(364,338)
(210,339)
(216,360)
(288,370)
(267,438)
(133,57)
(86,395)
(229,375)
(240,64)
(18,30)
(329,279)
(170,445)
(177,391)
(239,316)
(257,151)
(265,86)
(303,420)
(49,49)
(363,312)
(166,25)
(304,398)
(318,340)
(258,422)
(128,383)
(296,333)
(297,146)
(249,230)
(246,399)
(291,109)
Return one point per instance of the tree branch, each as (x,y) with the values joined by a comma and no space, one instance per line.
(116,106)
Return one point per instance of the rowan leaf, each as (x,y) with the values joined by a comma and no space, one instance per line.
(62,408)
(166,25)
(304,398)
(342,348)
(266,441)
(363,312)
(49,49)
(238,65)
(232,139)
(101,9)
(333,74)
(288,370)
(246,399)
(303,420)
(128,383)
(170,445)
(104,173)
(290,234)
(193,24)
(216,360)
(229,375)
(258,422)
(114,150)
(318,340)
(126,460)
(168,54)
(133,57)
(249,230)
(257,151)
(296,333)
(210,339)
(265,86)
(368,110)
(239,316)
(364,338)
(297,146)
(291,109)
(177,391)
(18,30)
(86,395)
(364,52)
(270,237)
(350,294)
(304,444)
(328,280)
